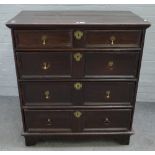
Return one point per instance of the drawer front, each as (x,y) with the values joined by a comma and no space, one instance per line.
(77,120)
(34,65)
(77,93)
(48,121)
(47,93)
(78,64)
(107,120)
(112,38)
(43,39)
(113,65)
(109,93)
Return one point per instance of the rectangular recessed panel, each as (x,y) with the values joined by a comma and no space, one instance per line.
(112,38)
(44,64)
(107,120)
(43,39)
(48,121)
(111,64)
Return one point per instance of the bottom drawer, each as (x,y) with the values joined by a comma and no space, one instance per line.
(78,120)
(48,121)
(107,120)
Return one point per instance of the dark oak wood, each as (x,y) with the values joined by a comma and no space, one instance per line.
(109,93)
(63,64)
(111,64)
(47,93)
(103,38)
(45,39)
(77,72)
(89,121)
(91,93)
(44,64)
(76,18)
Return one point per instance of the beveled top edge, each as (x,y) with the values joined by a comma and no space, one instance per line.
(76,18)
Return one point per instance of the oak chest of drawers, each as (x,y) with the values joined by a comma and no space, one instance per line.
(77,72)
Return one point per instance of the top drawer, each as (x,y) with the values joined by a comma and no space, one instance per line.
(112,38)
(43,39)
(67,39)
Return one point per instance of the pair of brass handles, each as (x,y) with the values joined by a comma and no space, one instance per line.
(78,114)
(77,86)
(77,34)
(77,57)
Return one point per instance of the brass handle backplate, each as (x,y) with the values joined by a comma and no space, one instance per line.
(77,114)
(49,122)
(106,121)
(112,39)
(110,64)
(77,56)
(47,94)
(45,65)
(44,40)
(78,85)
(78,34)
(108,94)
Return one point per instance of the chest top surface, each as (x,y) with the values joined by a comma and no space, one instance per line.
(76,18)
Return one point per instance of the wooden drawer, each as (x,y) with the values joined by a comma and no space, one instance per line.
(77,120)
(112,38)
(47,93)
(44,64)
(109,93)
(48,121)
(111,64)
(78,93)
(79,64)
(42,39)
(107,120)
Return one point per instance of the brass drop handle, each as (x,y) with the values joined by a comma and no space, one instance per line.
(44,40)
(77,114)
(110,64)
(45,65)
(112,39)
(49,122)
(47,94)
(78,34)
(108,94)
(77,56)
(106,121)
(78,86)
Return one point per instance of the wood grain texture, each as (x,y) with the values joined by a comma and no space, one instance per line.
(6,60)
(47,18)
(86,89)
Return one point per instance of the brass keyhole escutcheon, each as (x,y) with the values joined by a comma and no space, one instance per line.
(78,34)
(44,40)
(77,114)
(77,56)
(112,38)
(108,94)
(78,86)
(47,94)
(45,65)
